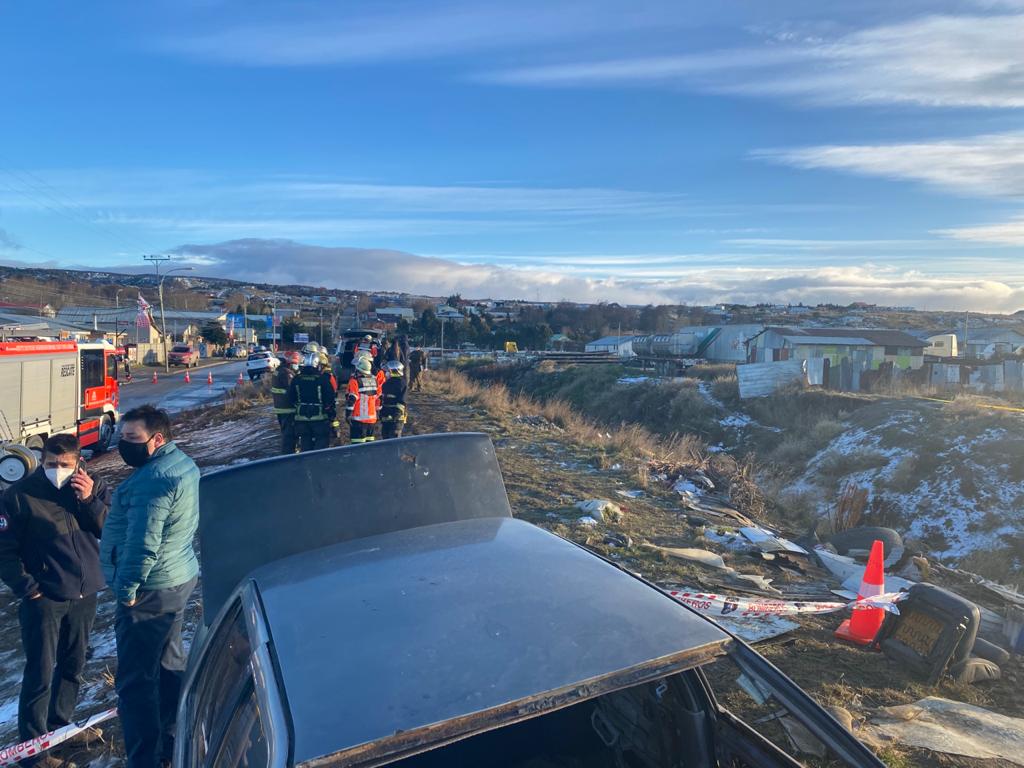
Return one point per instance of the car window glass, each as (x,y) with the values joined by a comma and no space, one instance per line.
(244,744)
(226,671)
(751,699)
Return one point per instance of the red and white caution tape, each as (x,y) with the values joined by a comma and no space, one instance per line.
(745,608)
(38,745)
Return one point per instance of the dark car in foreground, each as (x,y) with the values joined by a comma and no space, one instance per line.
(379,605)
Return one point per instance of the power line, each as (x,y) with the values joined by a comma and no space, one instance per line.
(72,211)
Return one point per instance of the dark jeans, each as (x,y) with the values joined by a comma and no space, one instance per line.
(313,435)
(390,429)
(150,667)
(289,442)
(55,635)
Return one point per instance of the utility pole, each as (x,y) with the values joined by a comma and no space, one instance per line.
(442,339)
(155,260)
(321,326)
(967,317)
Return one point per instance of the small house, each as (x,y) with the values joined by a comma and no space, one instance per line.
(622,346)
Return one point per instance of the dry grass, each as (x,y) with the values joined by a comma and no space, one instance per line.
(712,371)
(849,508)
(627,443)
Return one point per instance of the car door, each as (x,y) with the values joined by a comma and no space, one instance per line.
(762,718)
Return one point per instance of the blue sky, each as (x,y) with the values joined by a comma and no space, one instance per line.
(650,150)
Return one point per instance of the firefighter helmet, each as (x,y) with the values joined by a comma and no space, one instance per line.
(364,365)
(293,358)
(311,360)
(395,369)
(311,346)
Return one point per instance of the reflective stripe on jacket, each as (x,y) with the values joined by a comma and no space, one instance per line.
(393,400)
(363,398)
(279,389)
(313,396)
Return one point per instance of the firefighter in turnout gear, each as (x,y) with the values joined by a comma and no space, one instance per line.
(366,346)
(362,401)
(392,409)
(283,408)
(314,397)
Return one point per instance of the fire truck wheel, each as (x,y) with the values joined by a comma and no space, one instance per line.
(16,463)
(35,444)
(106,433)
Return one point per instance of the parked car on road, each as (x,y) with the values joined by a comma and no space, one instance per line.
(433,629)
(235,351)
(183,354)
(260,363)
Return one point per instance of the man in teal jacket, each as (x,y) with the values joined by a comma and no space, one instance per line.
(149,563)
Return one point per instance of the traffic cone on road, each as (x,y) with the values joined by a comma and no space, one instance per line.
(240,379)
(209,378)
(188,379)
(864,623)
(154,378)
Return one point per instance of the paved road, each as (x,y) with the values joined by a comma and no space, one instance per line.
(172,393)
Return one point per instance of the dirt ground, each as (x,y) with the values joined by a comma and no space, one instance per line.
(546,474)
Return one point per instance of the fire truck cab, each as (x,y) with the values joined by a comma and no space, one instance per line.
(50,387)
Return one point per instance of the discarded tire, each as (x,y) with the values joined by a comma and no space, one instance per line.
(862,538)
(983,649)
(974,670)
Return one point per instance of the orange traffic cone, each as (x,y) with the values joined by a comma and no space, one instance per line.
(240,379)
(188,379)
(154,378)
(864,623)
(209,378)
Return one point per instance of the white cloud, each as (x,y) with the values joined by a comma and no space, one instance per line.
(284,261)
(937,60)
(1007,233)
(990,165)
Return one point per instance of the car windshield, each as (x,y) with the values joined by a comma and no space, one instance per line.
(181,348)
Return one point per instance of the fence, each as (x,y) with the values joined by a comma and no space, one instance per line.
(1005,376)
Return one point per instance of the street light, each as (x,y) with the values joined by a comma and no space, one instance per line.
(163,322)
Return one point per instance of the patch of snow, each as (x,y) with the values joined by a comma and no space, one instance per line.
(633,379)
(587,521)
(937,504)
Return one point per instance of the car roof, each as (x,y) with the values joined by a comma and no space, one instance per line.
(307,499)
(394,642)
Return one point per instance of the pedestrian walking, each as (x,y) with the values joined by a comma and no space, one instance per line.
(417,365)
(151,567)
(50,525)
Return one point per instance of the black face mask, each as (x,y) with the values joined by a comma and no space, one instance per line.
(133,454)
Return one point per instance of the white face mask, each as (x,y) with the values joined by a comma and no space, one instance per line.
(59,475)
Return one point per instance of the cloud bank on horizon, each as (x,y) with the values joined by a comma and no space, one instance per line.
(289,262)
(619,150)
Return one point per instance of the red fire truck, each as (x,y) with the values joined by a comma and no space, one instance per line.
(48,387)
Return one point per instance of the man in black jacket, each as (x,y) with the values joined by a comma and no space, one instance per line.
(50,524)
